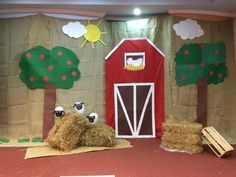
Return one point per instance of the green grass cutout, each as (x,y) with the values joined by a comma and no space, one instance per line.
(23,140)
(4,140)
(37,139)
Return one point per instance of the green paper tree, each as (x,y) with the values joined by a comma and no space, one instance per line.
(49,69)
(202,64)
(194,61)
(41,66)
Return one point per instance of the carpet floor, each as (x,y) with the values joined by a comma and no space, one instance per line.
(145,159)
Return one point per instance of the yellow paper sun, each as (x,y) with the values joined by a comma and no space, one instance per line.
(93,34)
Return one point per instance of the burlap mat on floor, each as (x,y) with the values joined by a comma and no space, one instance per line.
(44,151)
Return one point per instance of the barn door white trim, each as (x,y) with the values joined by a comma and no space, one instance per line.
(135,129)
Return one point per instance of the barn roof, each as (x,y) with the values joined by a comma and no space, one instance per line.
(126,39)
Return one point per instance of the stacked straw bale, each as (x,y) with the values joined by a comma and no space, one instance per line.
(74,130)
(182,137)
(101,135)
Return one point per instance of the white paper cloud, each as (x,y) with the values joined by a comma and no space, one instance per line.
(188,29)
(74,29)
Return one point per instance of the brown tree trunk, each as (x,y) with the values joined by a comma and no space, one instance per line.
(49,106)
(202,101)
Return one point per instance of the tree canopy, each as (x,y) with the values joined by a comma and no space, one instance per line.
(194,61)
(40,66)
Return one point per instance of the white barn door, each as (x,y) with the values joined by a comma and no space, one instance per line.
(134,110)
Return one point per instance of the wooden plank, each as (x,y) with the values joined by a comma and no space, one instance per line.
(51,10)
(216,142)
(208,15)
(213,149)
(229,147)
(216,138)
(220,139)
(213,142)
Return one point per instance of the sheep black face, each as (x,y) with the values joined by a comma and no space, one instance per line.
(79,107)
(93,118)
(58,112)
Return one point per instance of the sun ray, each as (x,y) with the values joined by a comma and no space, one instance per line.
(83,43)
(103,32)
(88,21)
(99,22)
(92,45)
(103,42)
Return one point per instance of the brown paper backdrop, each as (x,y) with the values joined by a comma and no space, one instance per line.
(221,97)
(21,109)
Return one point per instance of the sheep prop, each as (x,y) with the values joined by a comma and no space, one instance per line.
(58,112)
(79,107)
(93,118)
(74,130)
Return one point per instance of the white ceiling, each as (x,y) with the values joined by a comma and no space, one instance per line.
(124,7)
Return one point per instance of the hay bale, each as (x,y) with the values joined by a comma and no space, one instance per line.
(182,136)
(74,130)
(182,127)
(192,149)
(98,135)
(189,139)
(67,131)
(53,139)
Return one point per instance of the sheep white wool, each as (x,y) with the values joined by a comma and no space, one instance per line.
(58,112)
(93,118)
(79,107)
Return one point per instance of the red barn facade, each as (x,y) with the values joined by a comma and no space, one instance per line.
(135,89)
